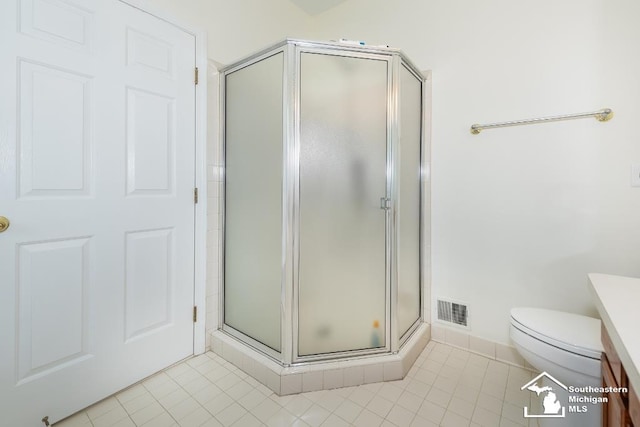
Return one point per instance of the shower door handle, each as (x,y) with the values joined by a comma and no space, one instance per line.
(384,203)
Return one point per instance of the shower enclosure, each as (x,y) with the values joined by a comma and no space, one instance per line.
(322,200)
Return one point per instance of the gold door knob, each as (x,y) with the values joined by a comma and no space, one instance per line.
(4,224)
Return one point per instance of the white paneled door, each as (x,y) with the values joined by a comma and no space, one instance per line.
(97,154)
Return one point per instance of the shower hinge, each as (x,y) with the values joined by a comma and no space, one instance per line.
(195,195)
(195,314)
(196,77)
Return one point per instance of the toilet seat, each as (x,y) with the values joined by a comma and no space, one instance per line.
(570,332)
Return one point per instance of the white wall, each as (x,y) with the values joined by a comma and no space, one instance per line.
(521,215)
(237,28)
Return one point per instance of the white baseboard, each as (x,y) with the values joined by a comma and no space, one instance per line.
(491,349)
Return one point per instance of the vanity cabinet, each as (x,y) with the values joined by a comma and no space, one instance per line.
(614,411)
(634,407)
(622,409)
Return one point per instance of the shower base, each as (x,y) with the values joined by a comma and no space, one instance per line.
(324,375)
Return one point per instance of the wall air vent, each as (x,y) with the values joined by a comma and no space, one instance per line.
(452,312)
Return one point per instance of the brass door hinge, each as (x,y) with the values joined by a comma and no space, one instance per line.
(195,195)
(195,313)
(196,76)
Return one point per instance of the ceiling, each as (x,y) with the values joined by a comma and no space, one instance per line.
(314,7)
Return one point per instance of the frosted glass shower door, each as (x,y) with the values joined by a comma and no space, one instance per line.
(253,202)
(408,245)
(342,287)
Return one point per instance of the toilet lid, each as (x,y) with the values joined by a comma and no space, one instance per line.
(571,332)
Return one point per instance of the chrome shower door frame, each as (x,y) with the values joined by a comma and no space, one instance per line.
(401,61)
(292,50)
(250,341)
(294,149)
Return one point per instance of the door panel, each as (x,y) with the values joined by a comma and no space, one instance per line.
(343,166)
(45,310)
(150,142)
(149,282)
(97,149)
(42,137)
(62,22)
(150,53)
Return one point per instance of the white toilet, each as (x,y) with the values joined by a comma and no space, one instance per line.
(566,346)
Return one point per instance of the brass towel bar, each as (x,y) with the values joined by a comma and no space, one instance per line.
(601,115)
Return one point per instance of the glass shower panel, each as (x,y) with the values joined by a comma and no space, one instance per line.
(253,206)
(409,201)
(343,143)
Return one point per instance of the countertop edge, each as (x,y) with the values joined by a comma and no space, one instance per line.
(628,363)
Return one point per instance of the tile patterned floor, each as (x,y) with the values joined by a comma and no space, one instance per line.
(446,387)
